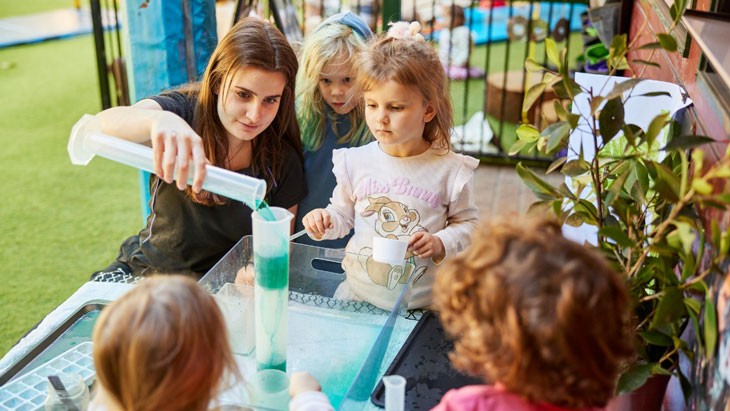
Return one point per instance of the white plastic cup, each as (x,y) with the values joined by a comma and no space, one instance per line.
(389,250)
(269,389)
(76,393)
(395,392)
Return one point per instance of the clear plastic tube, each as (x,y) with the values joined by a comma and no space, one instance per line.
(87,141)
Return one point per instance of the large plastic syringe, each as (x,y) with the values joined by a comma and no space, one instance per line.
(87,140)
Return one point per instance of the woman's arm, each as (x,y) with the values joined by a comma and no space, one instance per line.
(174,143)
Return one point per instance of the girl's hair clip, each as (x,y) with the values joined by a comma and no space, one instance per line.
(403,30)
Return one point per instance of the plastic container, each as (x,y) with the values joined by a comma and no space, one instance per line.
(87,140)
(271,228)
(269,389)
(346,345)
(68,391)
(236,304)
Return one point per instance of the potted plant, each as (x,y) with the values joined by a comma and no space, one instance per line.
(642,196)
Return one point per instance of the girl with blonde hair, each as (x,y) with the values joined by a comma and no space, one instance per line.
(329,110)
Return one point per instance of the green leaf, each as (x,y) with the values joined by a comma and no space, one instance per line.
(531,97)
(686,142)
(622,87)
(616,234)
(634,377)
(551,49)
(588,207)
(655,127)
(667,42)
(677,10)
(522,146)
(565,115)
(670,308)
(617,52)
(611,119)
(682,236)
(557,135)
(715,234)
(576,219)
(574,168)
(646,63)
(527,132)
(556,164)
(656,94)
(623,171)
(710,327)
(533,66)
(649,46)
(666,182)
(657,338)
(567,88)
(542,189)
(701,186)
(692,305)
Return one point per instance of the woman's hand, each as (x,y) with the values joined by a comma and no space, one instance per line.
(175,144)
(426,245)
(317,222)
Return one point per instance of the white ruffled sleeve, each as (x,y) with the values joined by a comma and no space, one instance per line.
(342,203)
(463,213)
(310,401)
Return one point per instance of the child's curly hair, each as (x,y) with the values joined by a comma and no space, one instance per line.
(540,314)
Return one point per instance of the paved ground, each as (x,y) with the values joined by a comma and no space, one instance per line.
(499,190)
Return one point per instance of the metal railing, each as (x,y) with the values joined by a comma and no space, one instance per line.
(487,95)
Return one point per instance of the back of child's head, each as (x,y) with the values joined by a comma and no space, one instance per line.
(536,312)
(339,38)
(162,345)
(403,56)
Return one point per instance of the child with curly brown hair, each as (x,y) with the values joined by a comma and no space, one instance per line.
(545,321)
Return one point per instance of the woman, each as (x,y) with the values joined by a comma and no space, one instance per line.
(239,117)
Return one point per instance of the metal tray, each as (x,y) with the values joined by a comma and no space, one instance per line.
(423,361)
(49,347)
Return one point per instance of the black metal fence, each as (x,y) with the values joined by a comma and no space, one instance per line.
(487,83)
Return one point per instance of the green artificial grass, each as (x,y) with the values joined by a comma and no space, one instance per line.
(59,222)
(18,8)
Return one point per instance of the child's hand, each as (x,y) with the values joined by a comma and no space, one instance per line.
(317,222)
(427,245)
(245,275)
(302,381)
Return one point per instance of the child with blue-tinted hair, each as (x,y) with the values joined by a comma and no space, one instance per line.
(329,111)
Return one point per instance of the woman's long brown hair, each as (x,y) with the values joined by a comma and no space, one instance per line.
(250,43)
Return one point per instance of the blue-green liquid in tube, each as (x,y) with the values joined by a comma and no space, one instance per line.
(271,290)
